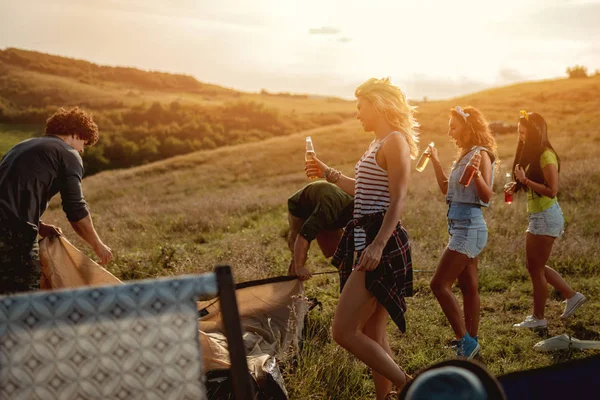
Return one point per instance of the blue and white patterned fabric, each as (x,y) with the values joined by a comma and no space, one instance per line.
(133,341)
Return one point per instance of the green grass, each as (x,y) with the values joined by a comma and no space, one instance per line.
(186,214)
(13,134)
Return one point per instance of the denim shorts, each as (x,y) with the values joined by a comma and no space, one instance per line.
(549,222)
(467,229)
(467,236)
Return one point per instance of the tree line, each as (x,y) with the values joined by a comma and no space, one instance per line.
(151,132)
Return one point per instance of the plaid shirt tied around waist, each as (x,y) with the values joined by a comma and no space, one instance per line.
(392,280)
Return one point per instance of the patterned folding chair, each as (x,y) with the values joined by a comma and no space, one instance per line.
(138,340)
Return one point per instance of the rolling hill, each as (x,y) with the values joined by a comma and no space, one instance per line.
(146,116)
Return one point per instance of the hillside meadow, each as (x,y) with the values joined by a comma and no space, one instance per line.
(146,116)
(228,205)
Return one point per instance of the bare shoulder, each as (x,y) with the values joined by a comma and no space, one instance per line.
(396,143)
(485,156)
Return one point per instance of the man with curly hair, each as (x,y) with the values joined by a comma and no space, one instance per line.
(31,173)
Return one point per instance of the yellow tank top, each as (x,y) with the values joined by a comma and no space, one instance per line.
(535,202)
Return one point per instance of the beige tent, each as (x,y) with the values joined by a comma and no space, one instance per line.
(64,266)
(271,312)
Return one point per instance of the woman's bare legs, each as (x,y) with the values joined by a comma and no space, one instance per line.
(538,249)
(375,329)
(452,265)
(355,308)
(469,286)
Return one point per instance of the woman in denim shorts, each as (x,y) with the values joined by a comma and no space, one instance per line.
(466,226)
(536,168)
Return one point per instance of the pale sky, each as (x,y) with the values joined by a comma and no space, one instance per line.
(437,49)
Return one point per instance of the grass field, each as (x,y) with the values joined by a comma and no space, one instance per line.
(12,134)
(188,213)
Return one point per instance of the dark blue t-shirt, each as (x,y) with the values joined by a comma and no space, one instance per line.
(31,173)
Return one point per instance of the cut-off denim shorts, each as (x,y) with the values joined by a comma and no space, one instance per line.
(468,230)
(549,222)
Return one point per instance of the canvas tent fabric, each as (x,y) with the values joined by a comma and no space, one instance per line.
(271,312)
(64,266)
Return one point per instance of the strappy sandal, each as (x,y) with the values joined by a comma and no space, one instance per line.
(393,395)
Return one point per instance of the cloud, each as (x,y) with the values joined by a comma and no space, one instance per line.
(509,75)
(330,31)
(324,30)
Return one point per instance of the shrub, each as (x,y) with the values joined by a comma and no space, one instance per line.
(578,71)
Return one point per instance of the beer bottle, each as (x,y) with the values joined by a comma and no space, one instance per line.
(424,159)
(508,197)
(469,171)
(310,153)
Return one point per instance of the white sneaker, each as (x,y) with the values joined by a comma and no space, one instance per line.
(531,322)
(572,304)
(566,342)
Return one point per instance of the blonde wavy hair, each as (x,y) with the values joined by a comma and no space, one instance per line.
(390,102)
(478,131)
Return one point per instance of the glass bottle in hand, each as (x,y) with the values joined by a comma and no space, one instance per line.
(469,171)
(310,153)
(424,159)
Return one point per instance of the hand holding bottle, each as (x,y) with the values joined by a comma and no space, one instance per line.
(471,168)
(509,189)
(433,154)
(315,168)
(476,160)
(424,159)
(309,155)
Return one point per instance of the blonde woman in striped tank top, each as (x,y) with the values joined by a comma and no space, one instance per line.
(375,282)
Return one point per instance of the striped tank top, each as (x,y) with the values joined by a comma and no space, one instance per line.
(371,189)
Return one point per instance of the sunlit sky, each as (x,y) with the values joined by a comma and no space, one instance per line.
(437,49)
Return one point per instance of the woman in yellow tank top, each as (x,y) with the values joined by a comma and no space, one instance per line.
(536,168)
